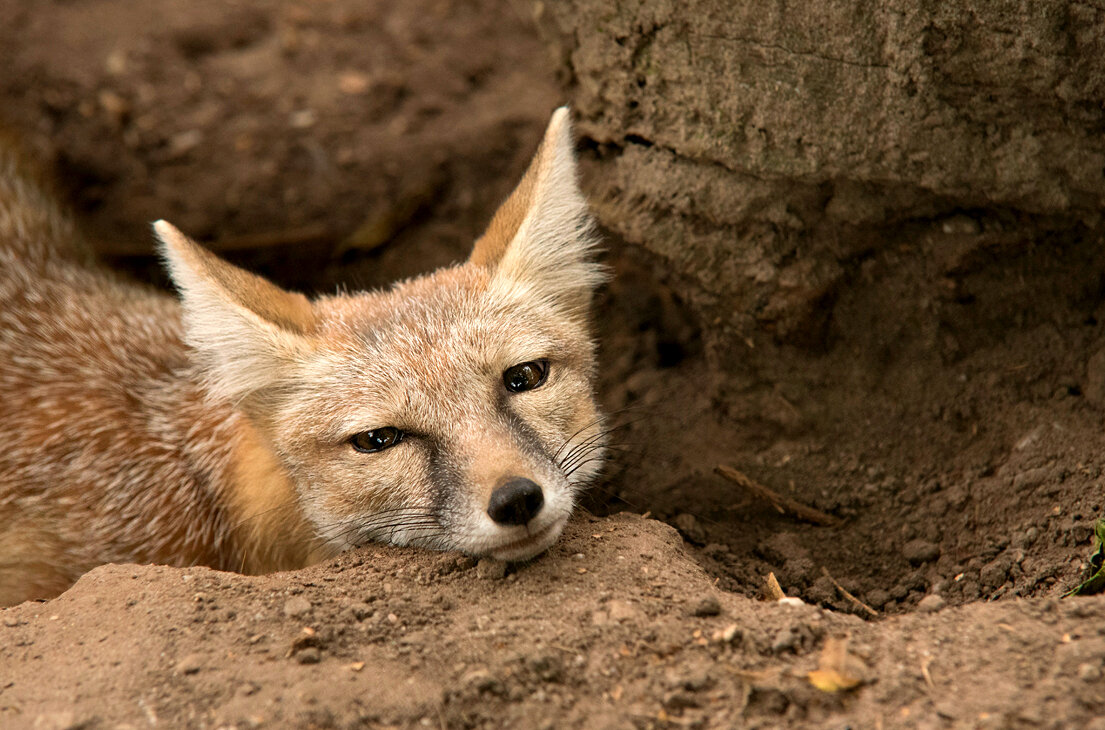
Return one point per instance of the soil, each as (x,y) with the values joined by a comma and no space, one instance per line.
(948,416)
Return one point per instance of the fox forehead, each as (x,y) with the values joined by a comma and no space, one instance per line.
(433,344)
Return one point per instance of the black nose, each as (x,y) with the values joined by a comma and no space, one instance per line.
(516,502)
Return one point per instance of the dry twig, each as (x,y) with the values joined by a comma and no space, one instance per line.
(844,592)
(785,505)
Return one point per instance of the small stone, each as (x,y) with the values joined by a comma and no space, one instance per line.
(183,143)
(547,667)
(716,551)
(1088,672)
(480,681)
(353,83)
(878,597)
(708,606)
(821,591)
(303,119)
(56,721)
(11,621)
(960,225)
(490,569)
(308,655)
(994,573)
(688,525)
(621,611)
(296,606)
(190,664)
(679,700)
(785,640)
(728,635)
(920,551)
(360,611)
(692,679)
(931,603)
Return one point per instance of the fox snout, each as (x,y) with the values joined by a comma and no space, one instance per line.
(516,502)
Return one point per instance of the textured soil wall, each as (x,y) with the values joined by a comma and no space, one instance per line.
(763,148)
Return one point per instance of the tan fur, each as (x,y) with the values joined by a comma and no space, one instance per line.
(216,430)
(266,519)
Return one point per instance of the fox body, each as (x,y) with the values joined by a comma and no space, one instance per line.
(248,428)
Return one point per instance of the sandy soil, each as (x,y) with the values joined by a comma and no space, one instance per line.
(616,627)
(951,423)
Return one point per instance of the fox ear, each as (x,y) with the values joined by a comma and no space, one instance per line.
(541,239)
(248,332)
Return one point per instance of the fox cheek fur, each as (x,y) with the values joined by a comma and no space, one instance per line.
(477,464)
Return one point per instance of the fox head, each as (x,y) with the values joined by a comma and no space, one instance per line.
(453,411)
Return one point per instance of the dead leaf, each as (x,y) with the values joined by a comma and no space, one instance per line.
(838,671)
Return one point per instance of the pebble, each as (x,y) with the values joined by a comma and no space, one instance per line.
(308,655)
(688,525)
(190,664)
(693,679)
(931,603)
(57,721)
(728,635)
(296,606)
(994,573)
(920,551)
(1024,539)
(878,597)
(490,569)
(621,611)
(547,667)
(11,621)
(360,611)
(1089,672)
(708,606)
(480,681)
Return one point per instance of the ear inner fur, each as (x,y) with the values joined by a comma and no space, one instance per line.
(540,242)
(189,261)
(247,333)
(491,246)
(508,219)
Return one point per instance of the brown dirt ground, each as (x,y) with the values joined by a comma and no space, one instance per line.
(952,420)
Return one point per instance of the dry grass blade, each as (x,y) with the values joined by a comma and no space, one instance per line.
(844,592)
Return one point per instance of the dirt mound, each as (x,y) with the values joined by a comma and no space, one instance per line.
(616,627)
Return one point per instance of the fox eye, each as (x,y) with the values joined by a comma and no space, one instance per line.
(378,439)
(526,376)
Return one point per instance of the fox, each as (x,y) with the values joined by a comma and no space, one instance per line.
(249,428)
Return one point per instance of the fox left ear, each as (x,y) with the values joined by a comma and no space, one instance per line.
(248,333)
(542,238)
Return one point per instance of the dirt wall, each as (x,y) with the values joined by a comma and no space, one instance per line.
(764,149)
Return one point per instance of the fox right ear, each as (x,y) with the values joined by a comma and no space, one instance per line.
(247,331)
(540,242)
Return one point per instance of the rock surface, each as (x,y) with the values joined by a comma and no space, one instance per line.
(763,149)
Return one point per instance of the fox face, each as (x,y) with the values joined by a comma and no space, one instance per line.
(454,411)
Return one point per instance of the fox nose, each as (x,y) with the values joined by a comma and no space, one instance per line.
(515,502)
